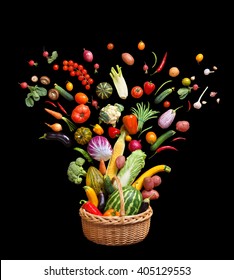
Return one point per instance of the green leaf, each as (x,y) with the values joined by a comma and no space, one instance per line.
(35,96)
(41,91)
(183,92)
(29,101)
(52,57)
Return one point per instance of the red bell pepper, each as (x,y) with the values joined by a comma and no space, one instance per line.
(90,207)
(130,123)
(113,132)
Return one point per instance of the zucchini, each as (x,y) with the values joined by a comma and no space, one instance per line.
(64,93)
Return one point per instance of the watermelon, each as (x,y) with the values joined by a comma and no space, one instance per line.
(132,200)
(104,90)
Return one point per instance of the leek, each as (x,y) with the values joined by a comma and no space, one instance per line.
(119,82)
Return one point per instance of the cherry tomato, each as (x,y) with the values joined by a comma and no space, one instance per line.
(55,67)
(110,46)
(80,113)
(137,92)
(81,98)
(150,137)
(199,57)
(166,104)
(141,46)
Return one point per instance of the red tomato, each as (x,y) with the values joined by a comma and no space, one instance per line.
(55,67)
(149,87)
(80,113)
(137,92)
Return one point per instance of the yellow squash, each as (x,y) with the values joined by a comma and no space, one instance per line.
(138,183)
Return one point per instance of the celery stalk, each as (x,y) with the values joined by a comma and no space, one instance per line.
(119,82)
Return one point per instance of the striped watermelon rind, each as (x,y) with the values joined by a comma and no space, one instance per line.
(104,90)
(132,200)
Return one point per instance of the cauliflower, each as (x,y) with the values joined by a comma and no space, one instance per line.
(110,114)
(75,171)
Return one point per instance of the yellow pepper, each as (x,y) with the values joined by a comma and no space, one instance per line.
(111,212)
(98,129)
(91,195)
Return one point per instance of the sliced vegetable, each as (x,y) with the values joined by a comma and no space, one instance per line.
(119,82)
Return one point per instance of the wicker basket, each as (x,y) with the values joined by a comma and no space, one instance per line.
(116,230)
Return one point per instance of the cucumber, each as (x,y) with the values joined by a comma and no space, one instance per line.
(64,93)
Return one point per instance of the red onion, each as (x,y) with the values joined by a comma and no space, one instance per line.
(87,55)
(134,145)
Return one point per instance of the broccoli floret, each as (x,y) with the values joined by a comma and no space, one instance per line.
(76,170)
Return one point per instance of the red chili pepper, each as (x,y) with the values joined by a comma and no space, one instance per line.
(90,207)
(51,103)
(178,138)
(160,67)
(167,147)
(189,105)
(113,132)
(62,108)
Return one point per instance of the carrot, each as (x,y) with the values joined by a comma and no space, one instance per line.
(59,116)
(118,150)
(102,167)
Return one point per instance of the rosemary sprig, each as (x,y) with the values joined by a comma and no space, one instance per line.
(143,114)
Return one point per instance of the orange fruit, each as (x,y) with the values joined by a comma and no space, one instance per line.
(81,98)
(150,137)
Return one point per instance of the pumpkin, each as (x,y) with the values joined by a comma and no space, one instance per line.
(104,90)
(83,135)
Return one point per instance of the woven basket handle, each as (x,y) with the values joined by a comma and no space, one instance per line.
(122,208)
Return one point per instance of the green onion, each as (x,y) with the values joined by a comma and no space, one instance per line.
(143,114)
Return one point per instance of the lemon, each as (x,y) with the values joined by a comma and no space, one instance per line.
(186,82)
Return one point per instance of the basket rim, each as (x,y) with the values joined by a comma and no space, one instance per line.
(116,220)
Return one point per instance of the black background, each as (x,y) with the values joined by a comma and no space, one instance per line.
(191,219)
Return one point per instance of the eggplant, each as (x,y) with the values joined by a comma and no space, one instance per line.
(58,136)
(144,205)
